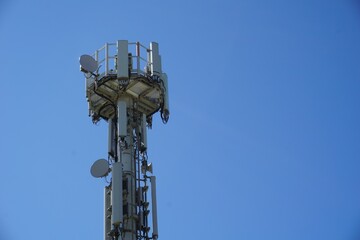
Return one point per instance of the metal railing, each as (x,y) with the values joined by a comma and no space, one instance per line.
(106,57)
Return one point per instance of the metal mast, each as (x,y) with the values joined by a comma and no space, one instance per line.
(125,86)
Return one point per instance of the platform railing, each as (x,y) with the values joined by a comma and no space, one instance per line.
(106,58)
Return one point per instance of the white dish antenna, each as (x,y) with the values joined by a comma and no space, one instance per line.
(100,168)
(88,63)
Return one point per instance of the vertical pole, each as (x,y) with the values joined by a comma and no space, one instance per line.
(97,55)
(106,58)
(117,171)
(129,176)
(128,171)
(138,58)
(154,207)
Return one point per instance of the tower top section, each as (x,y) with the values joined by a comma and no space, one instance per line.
(125,70)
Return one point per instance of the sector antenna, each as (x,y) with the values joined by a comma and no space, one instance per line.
(126,87)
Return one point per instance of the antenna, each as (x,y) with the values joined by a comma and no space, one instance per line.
(100,168)
(128,89)
(88,64)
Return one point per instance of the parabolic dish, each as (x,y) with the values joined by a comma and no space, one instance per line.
(100,168)
(88,63)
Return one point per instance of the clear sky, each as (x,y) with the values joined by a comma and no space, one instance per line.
(263,140)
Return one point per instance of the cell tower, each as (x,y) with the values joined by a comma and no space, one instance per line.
(125,86)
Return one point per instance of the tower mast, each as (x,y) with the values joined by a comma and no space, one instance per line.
(125,86)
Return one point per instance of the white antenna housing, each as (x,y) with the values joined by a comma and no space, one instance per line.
(117,194)
(122,59)
(143,133)
(155,59)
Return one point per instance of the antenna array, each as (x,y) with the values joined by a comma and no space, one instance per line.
(125,86)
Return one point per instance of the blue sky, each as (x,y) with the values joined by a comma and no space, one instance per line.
(263,140)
